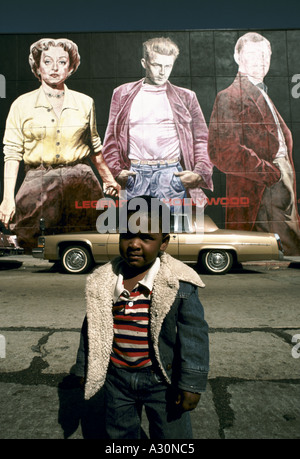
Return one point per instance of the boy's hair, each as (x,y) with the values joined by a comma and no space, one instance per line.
(154,209)
(160,45)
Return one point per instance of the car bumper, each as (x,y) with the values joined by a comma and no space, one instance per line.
(38,252)
(11,251)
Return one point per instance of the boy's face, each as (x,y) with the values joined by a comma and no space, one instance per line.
(140,250)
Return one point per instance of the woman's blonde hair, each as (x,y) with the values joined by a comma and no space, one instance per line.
(44,44)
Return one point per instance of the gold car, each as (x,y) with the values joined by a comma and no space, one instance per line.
(216,250)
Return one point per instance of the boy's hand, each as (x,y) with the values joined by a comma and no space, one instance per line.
(187,401)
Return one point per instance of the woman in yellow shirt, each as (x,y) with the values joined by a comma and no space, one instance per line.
(53,130)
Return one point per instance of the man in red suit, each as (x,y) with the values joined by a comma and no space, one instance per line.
(251,144)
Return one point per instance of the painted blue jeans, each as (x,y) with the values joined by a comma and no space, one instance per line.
(158,181)
(127,391)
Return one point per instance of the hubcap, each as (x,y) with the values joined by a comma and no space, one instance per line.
(75,260)
(217,260)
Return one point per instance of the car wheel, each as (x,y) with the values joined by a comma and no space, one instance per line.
(76,260)
(217,261)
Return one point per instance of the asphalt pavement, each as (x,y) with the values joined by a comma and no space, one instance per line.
(254,382)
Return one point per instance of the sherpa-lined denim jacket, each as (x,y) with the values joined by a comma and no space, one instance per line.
(178,330)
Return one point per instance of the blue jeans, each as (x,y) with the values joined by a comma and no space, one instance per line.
(158,181)
(128,391)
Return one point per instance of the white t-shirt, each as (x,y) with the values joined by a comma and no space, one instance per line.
(152,131)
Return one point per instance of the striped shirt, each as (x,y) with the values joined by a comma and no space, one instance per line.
(131,322)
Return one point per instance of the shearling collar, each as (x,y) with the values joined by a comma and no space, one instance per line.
(172,269)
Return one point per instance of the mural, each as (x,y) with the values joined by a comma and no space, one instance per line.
(250,142)
(53,130)
(180,117)
(156,140)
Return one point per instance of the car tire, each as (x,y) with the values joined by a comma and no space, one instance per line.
(76,260)
(217,261)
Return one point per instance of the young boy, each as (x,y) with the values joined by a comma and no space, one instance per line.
(147,338)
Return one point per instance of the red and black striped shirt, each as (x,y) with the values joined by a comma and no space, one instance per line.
(131,329)
(132,321)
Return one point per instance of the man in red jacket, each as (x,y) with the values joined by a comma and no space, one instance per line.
(156,139)
(251,144)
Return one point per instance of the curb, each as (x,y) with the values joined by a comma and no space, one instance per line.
(279,263)
(29,261)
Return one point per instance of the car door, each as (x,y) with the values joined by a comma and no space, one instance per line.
(99,247)
(189,245)
(112,245)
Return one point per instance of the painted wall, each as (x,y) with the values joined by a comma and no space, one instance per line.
(205,65)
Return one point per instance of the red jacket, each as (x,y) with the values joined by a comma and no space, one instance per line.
(191,127)
(243,142)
